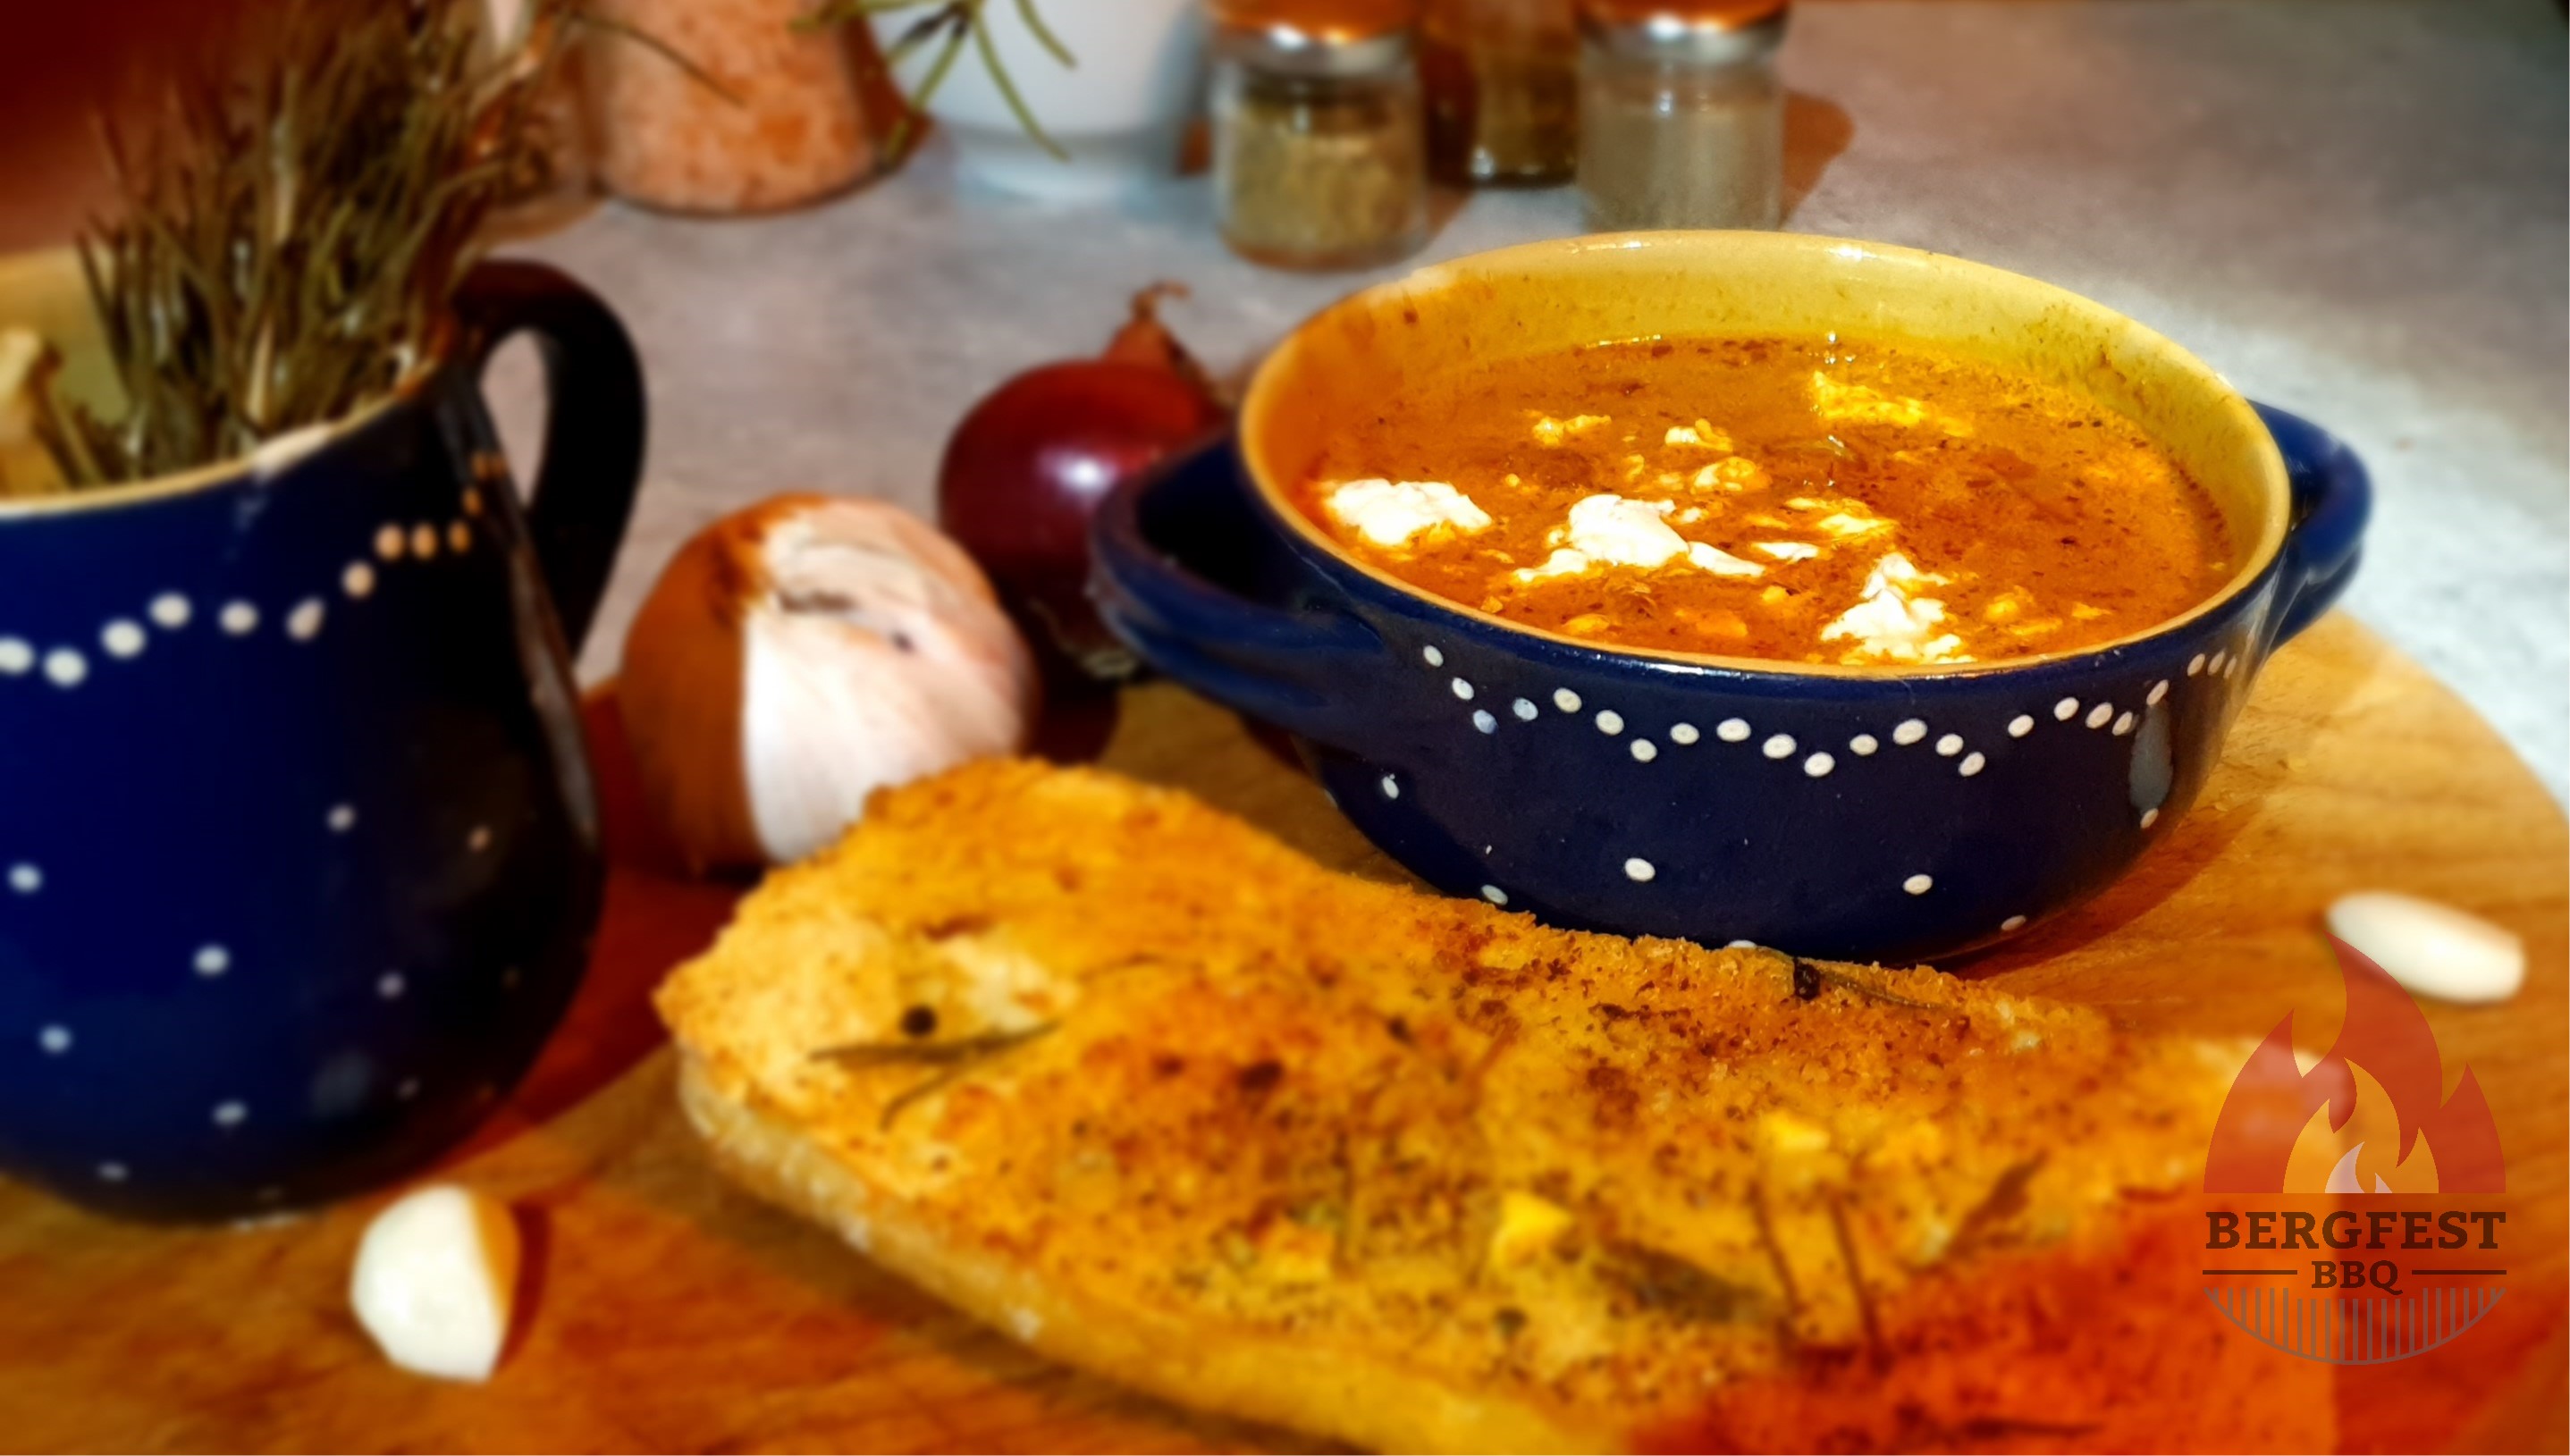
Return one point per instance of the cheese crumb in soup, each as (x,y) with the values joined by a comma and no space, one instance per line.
(1802,501)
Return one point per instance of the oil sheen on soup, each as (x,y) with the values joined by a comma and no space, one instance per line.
(1802,501)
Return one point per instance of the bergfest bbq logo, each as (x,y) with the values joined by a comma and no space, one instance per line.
(2354,1218)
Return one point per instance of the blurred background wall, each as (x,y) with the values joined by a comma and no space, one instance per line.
(60,61)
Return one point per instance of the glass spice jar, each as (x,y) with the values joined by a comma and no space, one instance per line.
(1503,80)
(1681,117)
(1320,154)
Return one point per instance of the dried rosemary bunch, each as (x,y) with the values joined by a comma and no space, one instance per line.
(292,233)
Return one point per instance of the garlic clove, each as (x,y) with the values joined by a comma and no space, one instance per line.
(436,1280)
(2431,949)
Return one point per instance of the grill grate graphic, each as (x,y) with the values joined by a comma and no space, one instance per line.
(2355,1331)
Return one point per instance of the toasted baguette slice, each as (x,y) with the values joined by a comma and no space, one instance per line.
(1133,1081)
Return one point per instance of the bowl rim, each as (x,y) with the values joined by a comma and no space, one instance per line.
(1306,537)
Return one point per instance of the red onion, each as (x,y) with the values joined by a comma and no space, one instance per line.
(1026,468)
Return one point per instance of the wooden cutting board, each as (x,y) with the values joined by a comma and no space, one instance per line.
(664,1312)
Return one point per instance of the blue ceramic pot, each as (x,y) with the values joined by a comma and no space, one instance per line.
(299,844)
(1855,814)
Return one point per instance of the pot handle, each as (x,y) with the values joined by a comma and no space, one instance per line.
(2332,496)
(1293,667)
(583,493)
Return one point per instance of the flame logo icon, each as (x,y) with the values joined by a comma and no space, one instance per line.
(2386,1045)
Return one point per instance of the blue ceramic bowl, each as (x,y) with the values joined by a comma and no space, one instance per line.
(1856,814)
(299,845)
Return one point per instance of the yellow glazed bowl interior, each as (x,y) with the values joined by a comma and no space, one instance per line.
(1554,297)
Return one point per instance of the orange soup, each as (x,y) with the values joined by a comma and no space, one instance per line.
(1797,500)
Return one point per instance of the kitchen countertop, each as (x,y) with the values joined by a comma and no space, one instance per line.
(2354,211)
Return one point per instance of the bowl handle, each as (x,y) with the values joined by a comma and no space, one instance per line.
(1291,665)
(2333,496)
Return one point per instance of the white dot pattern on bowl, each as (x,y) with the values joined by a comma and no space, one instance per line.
(1780,747)
(1431,656)
(122,638)
(1494,894)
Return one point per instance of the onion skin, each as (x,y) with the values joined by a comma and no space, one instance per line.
(680,689)
(1026,468)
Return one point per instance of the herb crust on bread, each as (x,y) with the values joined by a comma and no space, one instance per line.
(1131,1079)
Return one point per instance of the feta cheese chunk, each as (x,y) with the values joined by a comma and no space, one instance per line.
(436,1280)
(1721,563)
(1699,434)
(1789,550)
(1618,531)
(1891,622)
(1392,514)
(1864,405)
(1550,432)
